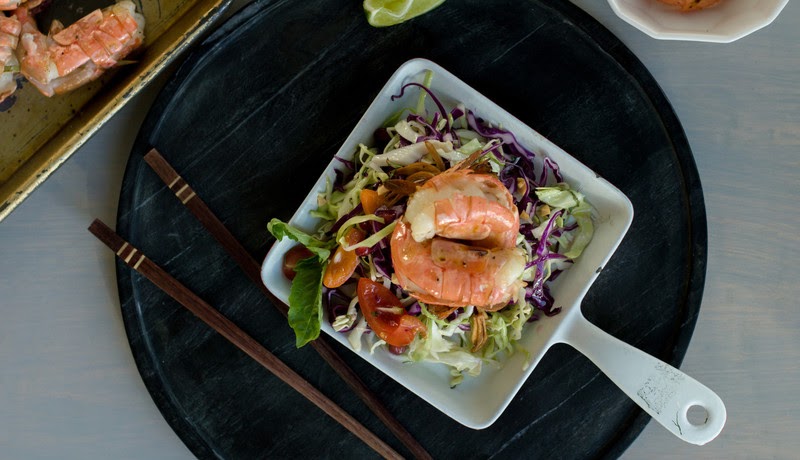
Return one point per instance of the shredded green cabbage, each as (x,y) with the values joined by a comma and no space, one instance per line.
(561,196)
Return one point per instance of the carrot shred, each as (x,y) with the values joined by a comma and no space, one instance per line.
(370,201)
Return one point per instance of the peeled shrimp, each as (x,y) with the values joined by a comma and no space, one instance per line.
(432,261)
(9,65)
(69,57)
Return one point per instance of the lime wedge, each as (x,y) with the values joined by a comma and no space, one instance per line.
(384,13)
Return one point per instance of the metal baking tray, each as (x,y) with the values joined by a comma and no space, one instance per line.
(37,133)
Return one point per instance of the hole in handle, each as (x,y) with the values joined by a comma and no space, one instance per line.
(697,415)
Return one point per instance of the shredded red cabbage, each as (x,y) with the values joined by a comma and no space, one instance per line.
(359,209)
(435,100)
(336,303)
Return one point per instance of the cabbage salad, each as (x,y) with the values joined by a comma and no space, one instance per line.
(370,194)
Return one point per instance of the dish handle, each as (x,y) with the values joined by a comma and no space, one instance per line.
(684,406)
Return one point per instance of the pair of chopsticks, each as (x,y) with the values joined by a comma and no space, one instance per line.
(135,259)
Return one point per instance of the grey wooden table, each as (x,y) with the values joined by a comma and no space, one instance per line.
(69,387)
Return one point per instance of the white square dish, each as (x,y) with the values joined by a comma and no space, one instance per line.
(478,401)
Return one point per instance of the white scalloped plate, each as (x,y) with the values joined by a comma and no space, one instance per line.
(728,21)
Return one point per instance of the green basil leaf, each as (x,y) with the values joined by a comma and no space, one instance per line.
(305,300)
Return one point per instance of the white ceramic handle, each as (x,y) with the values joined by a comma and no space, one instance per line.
(661,390)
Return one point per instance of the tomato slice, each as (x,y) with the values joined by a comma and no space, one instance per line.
(343,263)
(292,256)
(386,316)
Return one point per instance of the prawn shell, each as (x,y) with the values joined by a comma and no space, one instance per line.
(478,208)
(444,272)
(73,56)
(474,218)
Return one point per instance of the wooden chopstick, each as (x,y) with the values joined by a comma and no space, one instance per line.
(135,259)
(189,198)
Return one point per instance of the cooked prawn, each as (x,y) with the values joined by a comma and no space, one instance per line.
(9,65)
(9,5)
(444,272)
(432,262)
(69,57)
(460,204)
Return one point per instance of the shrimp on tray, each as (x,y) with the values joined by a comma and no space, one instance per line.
(456,243)
(67,58)
(10,5)
(9,65)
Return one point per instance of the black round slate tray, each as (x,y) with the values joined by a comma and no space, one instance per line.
(252,118)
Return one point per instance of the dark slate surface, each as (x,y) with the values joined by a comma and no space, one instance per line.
(251,120)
